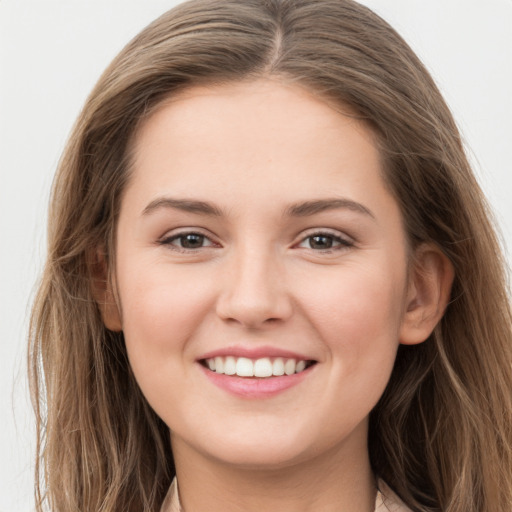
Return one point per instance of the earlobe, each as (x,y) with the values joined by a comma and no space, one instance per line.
(429,287)
(103,292)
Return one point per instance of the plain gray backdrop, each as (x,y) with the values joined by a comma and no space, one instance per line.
(51,54)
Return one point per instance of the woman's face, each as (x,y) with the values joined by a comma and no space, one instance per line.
(257,235)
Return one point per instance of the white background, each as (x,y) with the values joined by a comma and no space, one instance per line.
(52,52)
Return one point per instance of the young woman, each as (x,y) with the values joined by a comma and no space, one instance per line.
(272,282)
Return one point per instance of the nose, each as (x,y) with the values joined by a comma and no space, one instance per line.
(254,292)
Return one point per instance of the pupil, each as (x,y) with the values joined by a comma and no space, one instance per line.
(192,241)
(320,242)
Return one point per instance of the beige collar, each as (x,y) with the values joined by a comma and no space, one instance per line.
(172,500)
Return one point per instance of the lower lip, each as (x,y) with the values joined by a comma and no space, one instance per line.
(253,387)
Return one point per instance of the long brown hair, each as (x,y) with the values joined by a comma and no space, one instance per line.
(441,435)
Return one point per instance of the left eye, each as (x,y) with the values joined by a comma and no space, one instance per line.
(324,241)
(188,241)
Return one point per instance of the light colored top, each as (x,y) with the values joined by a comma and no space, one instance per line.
(386,501)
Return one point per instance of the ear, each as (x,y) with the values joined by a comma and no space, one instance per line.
(103,292)
(429,287)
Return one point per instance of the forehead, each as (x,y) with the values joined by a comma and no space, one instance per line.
(254,139)
(205,106)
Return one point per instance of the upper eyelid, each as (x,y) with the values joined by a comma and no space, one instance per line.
(325,231)
(176,233)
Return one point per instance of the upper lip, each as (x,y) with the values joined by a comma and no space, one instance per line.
(254,353)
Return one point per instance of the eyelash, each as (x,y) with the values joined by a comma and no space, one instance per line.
(342,243)
(168,241)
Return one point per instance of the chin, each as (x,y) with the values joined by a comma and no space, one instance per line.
(260,449)
(258,457)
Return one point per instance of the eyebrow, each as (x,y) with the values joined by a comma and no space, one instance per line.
(307,208)
(300,209)
(186,205)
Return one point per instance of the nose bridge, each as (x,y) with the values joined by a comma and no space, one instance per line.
(254,292)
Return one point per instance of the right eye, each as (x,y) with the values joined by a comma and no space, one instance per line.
(188,241)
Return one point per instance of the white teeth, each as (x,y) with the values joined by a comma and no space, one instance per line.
(230,365)
(244,367)
(278,366)
(289,367)
(301,365)
(261,368)
(219,365)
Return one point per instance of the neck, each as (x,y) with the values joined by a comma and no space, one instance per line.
(337,481)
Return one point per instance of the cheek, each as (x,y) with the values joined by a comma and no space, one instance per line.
(357,316)
(161,308)
(358,312)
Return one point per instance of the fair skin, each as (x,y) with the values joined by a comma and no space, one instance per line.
(257,223)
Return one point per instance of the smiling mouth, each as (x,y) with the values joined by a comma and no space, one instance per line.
(264,367)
